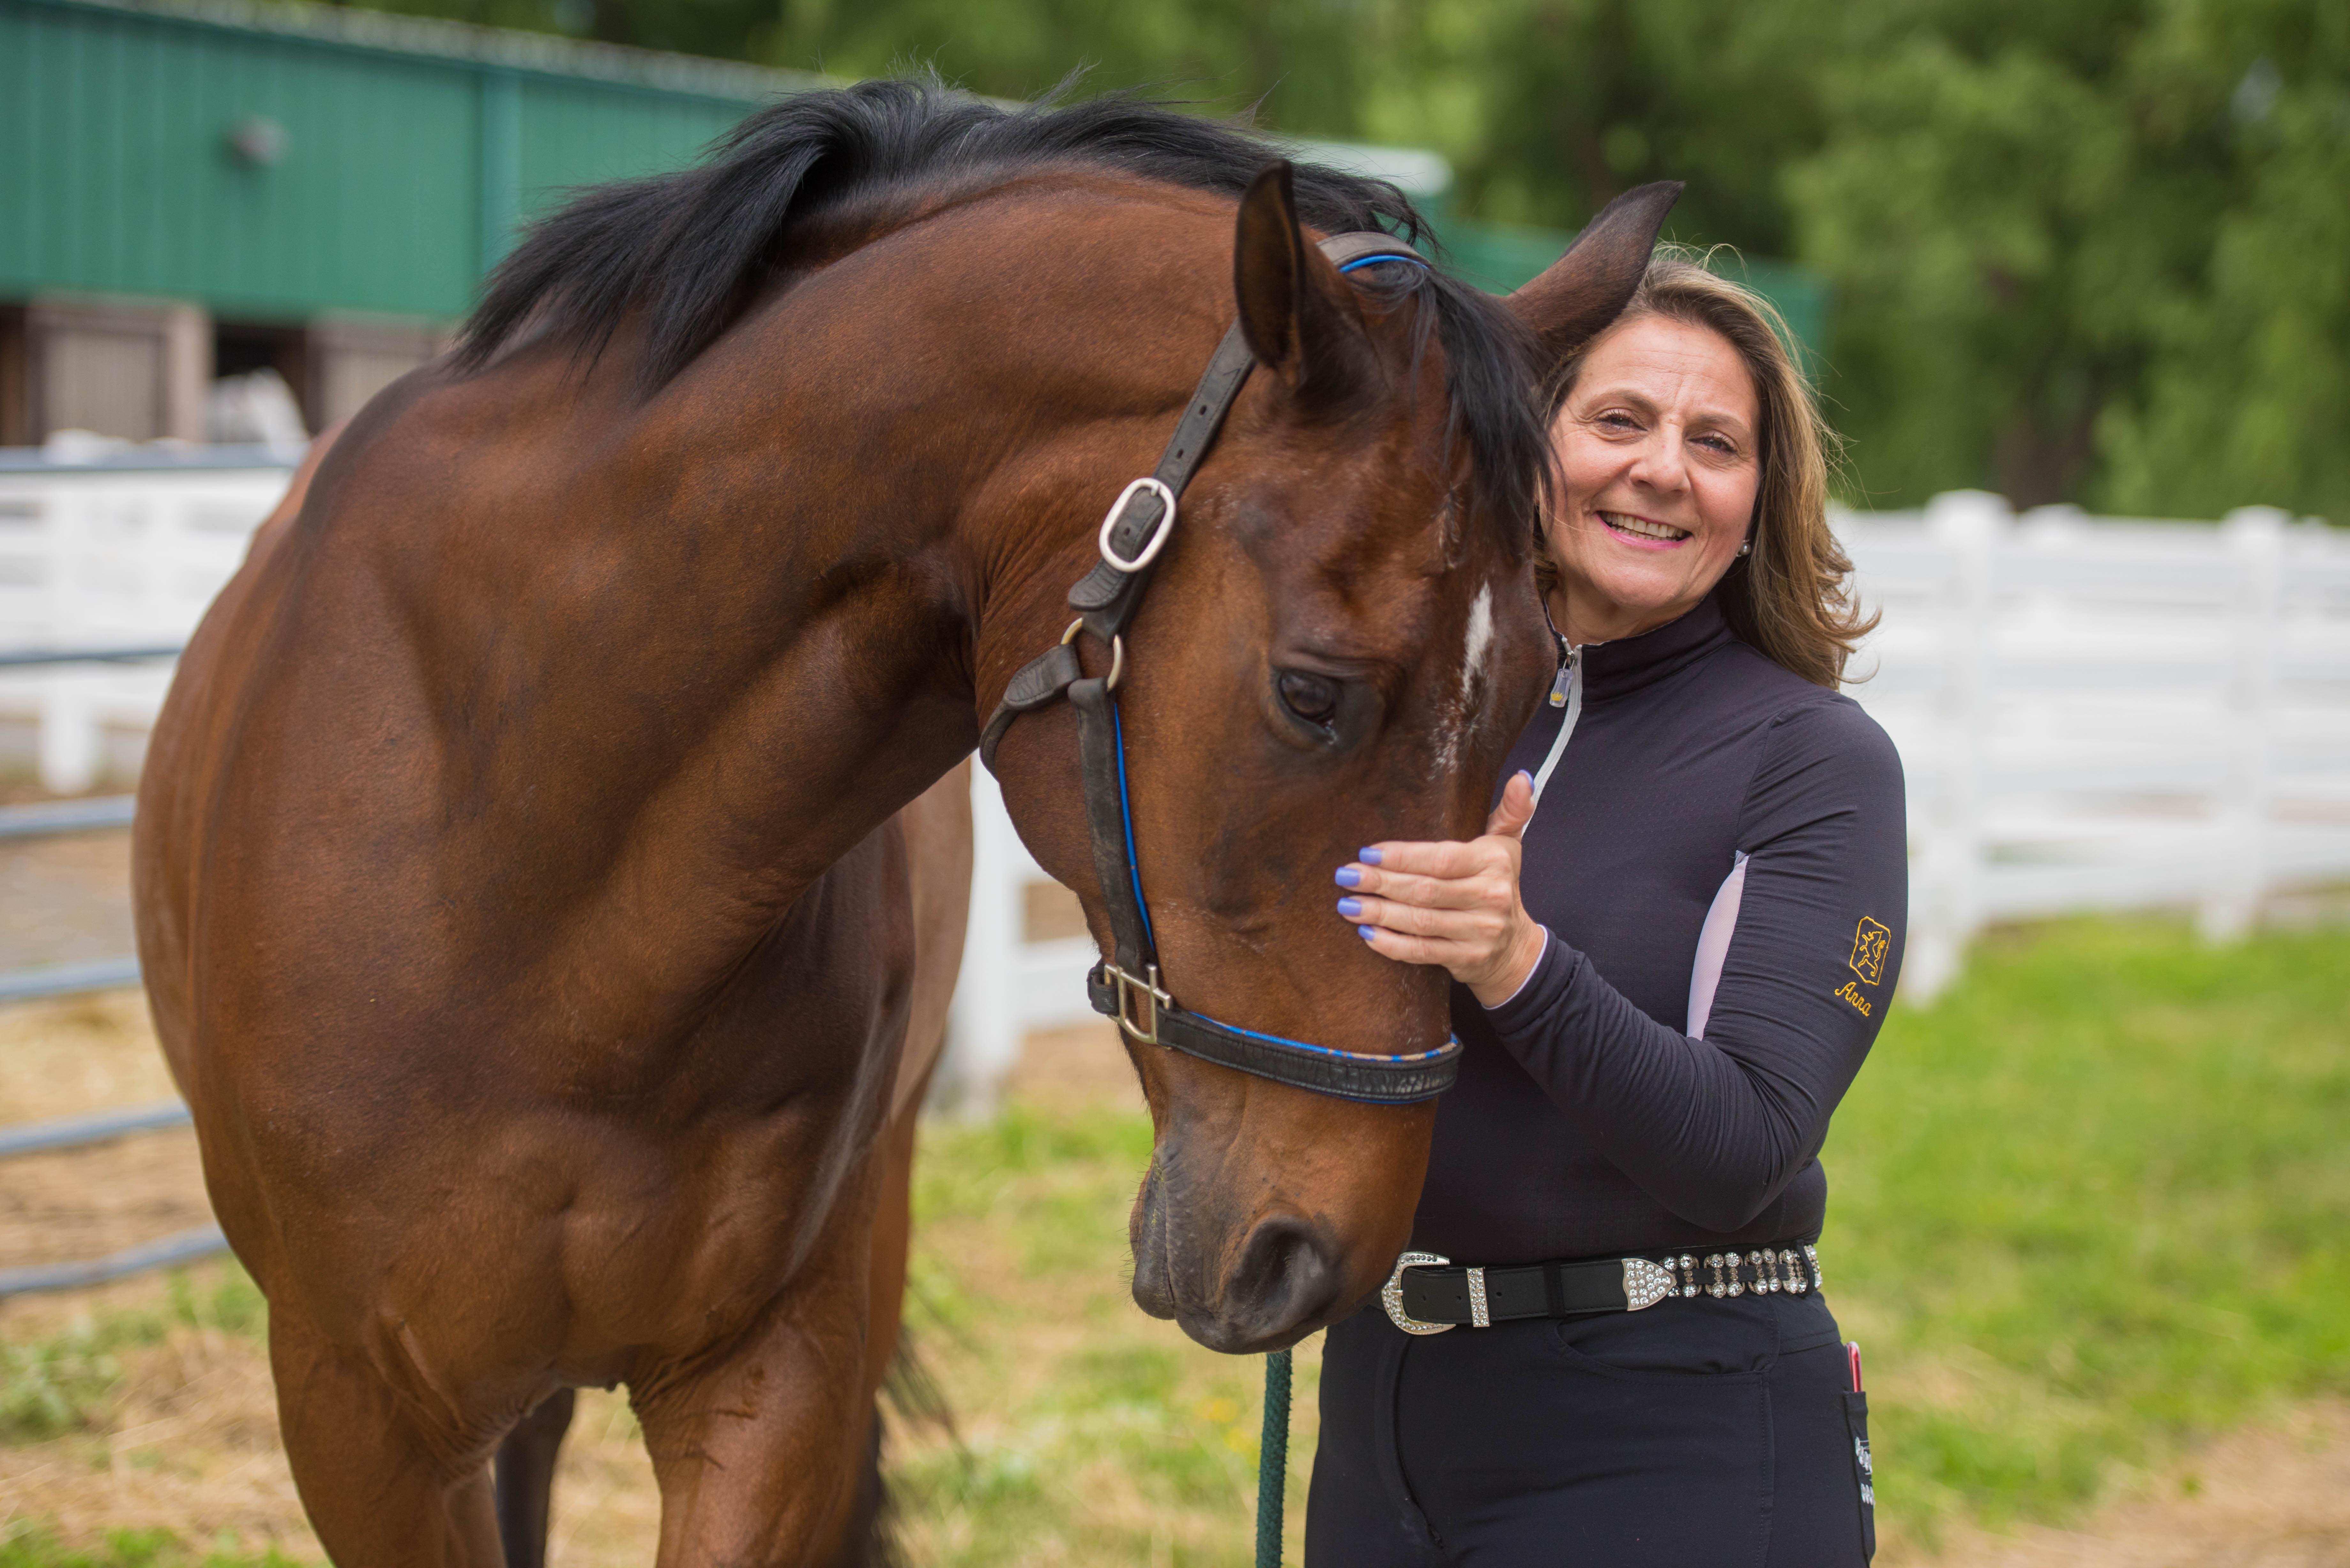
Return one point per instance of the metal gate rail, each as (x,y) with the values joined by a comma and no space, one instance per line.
(76,1132)
(88,816)
(54,817)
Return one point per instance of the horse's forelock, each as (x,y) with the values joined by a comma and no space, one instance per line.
(1491,368)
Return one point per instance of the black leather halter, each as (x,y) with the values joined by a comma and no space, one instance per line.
(1126,984)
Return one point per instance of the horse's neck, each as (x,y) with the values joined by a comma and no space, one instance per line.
(788,589)
(807,556)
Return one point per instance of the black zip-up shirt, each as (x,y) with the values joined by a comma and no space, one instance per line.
(1719,856)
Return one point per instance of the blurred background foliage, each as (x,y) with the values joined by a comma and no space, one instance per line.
(2081,250)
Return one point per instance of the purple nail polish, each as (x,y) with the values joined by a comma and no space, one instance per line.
(1351,908)
(1350,876)
(1368,857)
(1366,932)
(1525,775)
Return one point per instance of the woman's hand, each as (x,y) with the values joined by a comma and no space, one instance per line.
(1453,904)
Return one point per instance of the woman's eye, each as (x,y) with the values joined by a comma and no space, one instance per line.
(1312,698)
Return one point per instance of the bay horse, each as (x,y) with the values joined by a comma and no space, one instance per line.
(547,885)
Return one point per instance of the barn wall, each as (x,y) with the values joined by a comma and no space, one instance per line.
(299,162)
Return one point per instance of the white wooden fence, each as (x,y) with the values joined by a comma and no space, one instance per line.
(2106,714)
(110,556)
(2094,714)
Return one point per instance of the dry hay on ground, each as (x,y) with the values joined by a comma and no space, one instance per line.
(65,1057)
(71,1054)
(187,1440)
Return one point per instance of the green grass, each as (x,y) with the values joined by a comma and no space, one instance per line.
(24,1546)
(63,1383)
(2093,1201)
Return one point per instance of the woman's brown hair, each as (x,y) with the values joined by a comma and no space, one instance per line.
(1790,599)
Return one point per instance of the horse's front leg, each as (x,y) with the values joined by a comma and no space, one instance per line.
(765,1451)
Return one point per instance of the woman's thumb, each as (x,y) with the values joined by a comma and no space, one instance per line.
(1517,808)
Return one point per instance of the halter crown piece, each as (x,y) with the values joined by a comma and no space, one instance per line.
(1126,984)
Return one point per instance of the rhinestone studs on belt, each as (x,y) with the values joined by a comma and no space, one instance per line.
(1759,1272)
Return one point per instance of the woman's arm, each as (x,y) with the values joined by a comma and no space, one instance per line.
(1713,1128)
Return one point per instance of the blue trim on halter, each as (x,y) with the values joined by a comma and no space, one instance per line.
(1126,811)
(1134,868)
(1450,1041)
(1374,260)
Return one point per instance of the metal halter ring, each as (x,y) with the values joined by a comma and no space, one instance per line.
(1159,535)
(1391,1293)
(1145,986)
(1116,652)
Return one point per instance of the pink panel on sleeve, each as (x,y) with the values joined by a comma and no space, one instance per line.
(1713,947)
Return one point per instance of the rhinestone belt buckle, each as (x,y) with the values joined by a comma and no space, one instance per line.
(1645,1283)
(1391,1293)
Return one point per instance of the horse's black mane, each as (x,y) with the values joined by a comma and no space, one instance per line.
(690,248)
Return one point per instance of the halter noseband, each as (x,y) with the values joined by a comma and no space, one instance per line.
(1125,985)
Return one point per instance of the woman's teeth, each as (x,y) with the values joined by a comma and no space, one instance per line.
(1641,528)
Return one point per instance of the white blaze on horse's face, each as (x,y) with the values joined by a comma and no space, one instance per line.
(1458,722)
(1481,642)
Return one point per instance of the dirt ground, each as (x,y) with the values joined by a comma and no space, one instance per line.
(189,1441)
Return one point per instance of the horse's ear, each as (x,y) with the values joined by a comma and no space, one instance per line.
(1293,303)
(1588,288)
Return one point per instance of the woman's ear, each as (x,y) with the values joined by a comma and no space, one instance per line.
(1588,288)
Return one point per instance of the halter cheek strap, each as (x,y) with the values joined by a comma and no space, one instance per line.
(1126,984)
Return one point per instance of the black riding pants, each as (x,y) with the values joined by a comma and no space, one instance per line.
(1714,1432)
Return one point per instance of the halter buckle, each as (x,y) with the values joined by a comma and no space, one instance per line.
(1151,999)
(1159,535)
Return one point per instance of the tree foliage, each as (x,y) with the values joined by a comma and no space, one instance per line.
(2083,250)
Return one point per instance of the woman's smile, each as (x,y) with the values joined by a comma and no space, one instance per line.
(1640,532)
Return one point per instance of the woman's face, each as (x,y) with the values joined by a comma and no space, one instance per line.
(1659,445)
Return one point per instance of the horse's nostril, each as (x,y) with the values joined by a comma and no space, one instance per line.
(1285,1277)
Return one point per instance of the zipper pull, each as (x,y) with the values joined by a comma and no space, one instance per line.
(1565,675)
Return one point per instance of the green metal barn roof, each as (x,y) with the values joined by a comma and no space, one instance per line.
(272,161)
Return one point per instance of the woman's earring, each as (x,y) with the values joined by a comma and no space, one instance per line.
(1746,547)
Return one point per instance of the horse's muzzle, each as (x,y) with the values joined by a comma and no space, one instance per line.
(1262,1290)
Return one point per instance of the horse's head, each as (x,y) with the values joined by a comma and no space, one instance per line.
(1342,640)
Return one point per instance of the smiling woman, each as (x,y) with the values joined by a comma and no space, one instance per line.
(1635,549)
(1695,375)
(1664,985)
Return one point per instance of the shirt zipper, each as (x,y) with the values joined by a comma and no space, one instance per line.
(1566,692)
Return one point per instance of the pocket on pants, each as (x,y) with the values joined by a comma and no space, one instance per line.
(1856,1415)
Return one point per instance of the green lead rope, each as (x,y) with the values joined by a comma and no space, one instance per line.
(1273,1460)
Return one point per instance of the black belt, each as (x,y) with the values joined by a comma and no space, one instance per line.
(1428,1293)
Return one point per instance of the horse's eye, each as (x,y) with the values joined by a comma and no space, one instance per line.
(1312,698)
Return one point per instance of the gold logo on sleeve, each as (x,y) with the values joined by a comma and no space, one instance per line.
(1870,944)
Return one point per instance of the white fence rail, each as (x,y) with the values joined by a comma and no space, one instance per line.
(2094,714)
